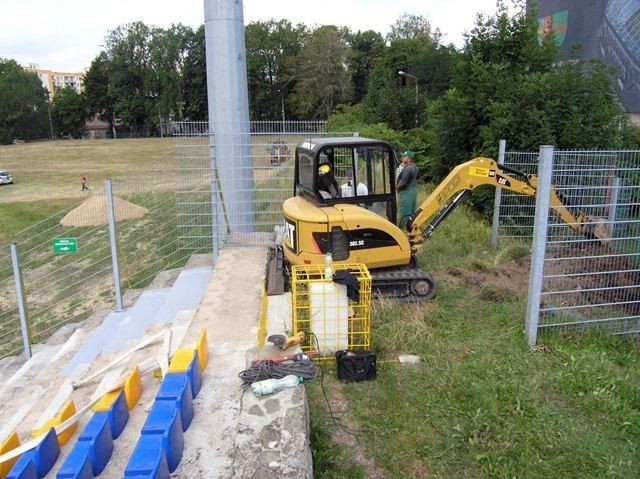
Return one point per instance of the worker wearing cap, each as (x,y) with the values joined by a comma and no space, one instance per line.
(407,188)
(327,185)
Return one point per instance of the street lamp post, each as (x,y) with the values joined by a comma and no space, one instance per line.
(158,100)
(405,74)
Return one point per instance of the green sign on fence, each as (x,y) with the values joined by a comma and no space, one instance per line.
(65,245)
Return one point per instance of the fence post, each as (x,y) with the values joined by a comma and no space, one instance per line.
(613,208)
(217,216)
(114,245)
(22,308)
(543,200)
(495,228)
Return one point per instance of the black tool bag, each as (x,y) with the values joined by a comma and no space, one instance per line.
(356,366)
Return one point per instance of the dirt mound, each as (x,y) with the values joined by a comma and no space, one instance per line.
(93,212)
(595,274)
(495,283)
(589,274)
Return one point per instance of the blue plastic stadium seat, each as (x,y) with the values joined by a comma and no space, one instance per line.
(77,465)
(195,375)
(24,468)
(164,420)
(148,460)
(43,456)
(118,415)
(177,387)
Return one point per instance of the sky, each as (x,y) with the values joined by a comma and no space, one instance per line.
(66,35)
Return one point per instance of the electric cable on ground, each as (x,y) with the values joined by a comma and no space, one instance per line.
(336,421)
(267,369)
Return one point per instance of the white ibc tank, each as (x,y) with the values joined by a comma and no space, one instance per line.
(330,316)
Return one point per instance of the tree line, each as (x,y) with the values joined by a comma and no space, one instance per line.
(449,103)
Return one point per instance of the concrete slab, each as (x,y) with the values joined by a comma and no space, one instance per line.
(128,324)
(279,319)
(186,293)
(229,310)
(234,434)
(155,306)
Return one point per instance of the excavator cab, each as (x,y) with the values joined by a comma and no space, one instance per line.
(350,170)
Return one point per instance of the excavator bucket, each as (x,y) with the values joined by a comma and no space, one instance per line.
(603,232)
(590,226)
(596,227)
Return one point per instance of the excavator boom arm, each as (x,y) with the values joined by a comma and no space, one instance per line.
(485,171)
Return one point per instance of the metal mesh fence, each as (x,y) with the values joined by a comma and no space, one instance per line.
(590,277)
(172,208)
(517,212)
(64,286)
(147,214)
(60,288)
(9,319)
(236,197)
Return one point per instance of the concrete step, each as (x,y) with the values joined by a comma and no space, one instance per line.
(233,434)
(155,306)
(185,294)
(8,367)
(125,444)
(30,388)
(118,328)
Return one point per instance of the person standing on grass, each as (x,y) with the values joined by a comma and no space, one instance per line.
(83,182)
(407,188)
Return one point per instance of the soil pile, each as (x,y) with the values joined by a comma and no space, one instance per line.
(497,283)
(596,274)
(93,212)
(589,274)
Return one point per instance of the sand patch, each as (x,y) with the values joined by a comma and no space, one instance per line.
(93,212)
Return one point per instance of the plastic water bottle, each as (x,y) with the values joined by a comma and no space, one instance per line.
(328,266)
(269,386)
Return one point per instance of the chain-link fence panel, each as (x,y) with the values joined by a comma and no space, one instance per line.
(595,279)
(10,337)
(147,224)
(214,189)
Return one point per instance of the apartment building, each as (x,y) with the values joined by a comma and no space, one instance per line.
(52,80)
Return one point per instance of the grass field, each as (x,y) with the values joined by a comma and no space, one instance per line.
(481,404)
(47,174)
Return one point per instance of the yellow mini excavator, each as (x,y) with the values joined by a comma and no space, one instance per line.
(344,203)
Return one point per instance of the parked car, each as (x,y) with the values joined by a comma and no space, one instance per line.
(5,178)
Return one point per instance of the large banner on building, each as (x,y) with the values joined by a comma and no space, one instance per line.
(605,29)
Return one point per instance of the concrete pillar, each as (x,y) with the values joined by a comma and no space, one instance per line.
(229,136)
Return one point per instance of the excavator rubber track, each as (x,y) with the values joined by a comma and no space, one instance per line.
(408,285)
